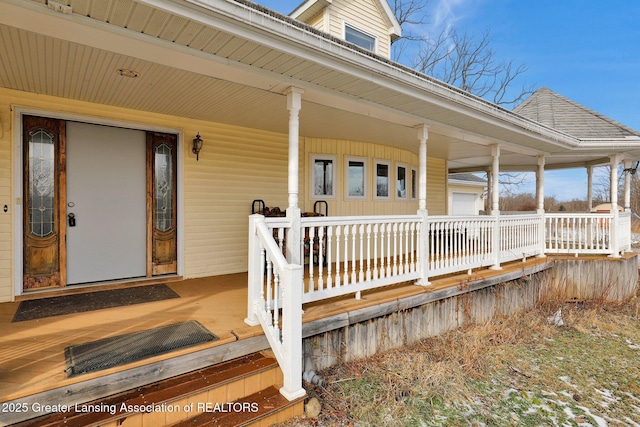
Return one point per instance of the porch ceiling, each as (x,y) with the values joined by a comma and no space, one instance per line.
(202,61)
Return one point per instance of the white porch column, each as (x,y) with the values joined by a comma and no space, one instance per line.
(540,207)
(615,160)
(540,185)
(294,104)
(589,188)
(495,205)
(489,199)
(423,136)
(495,180)
(627,186)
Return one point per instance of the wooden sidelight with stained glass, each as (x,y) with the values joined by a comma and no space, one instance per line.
(43,203)
(161,204)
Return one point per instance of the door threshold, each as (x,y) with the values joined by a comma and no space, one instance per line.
(97,286)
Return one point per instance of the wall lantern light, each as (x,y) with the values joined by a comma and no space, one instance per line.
(197,146)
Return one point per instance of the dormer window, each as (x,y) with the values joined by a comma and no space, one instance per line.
(359,38)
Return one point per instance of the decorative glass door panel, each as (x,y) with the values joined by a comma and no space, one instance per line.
(44,195)
(161,201)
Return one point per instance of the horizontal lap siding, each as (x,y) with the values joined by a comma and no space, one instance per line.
(237,166)
(365,16)
(6,219)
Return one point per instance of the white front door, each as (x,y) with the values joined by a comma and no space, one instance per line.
(106,193)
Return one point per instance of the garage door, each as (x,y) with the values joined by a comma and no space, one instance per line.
(463,204)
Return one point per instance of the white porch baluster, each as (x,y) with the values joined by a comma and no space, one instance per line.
(329,252)
(311,239)
(346,256)
(354,238)
(338,242)
(395,250)
(369,242)
(361,272)
(321,254)
(376,232)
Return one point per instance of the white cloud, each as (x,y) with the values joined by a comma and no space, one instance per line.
(446,13)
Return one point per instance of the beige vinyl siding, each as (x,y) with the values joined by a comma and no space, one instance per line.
(436,186)
(341,205)
(236,166)
(6,219)
(318,21)
(365,16)
(241,165)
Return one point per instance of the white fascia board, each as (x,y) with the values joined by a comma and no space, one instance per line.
(395,30)
(307,6)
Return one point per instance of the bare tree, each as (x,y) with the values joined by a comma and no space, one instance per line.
(459,59)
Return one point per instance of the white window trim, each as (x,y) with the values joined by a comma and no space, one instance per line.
(407,182)
(366,180)
(346,24)
(390,189)
(414,191)
(334,187)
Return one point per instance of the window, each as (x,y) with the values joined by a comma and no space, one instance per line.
(356,182)
(414,183)
(382,179)
(401,181)
(359,38)
(323,177)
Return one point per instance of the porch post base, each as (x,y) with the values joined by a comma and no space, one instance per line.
(293,395)
(251,322)
(616,255)
(421,282)
(495,267)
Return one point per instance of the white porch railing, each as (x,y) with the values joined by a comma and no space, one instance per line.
(275,302)
(575,233)
(351,254)
(520,236)
(348,255)
(624,231)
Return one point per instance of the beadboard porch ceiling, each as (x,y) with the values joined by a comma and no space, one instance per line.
(229,62)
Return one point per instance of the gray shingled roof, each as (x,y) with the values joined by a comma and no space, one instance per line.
(467,177)
(554,110)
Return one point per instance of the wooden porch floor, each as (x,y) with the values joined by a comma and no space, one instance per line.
(32,352)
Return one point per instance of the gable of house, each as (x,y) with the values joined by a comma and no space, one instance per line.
(373,18)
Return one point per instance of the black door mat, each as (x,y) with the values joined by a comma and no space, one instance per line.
(80,303)
(109,352)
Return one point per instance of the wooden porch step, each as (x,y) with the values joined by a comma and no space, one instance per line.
(263,408)
(200,390)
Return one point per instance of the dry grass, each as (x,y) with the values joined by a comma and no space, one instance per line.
(520,370)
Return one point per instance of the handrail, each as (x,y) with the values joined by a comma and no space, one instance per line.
(275,302)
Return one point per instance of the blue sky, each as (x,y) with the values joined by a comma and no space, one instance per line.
(585,50)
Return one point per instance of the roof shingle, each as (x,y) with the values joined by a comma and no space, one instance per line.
(551,109)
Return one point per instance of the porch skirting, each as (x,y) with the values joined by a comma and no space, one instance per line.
(364,332)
